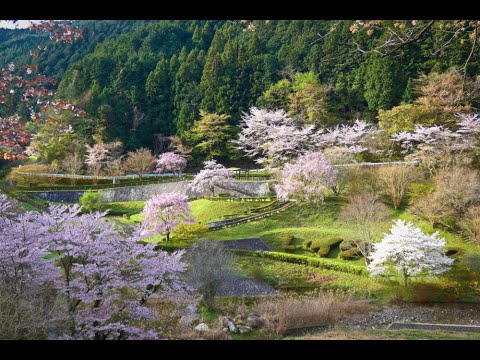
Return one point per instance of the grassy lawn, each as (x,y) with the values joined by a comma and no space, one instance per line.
(205,211)
(304,222)
(300,278)
(129,208)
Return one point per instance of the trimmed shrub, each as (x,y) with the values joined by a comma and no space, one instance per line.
(353,253)
(287,240)
(189,232)
(336,242)
(322,263)
(323,251)
(307,244)
(91,200)
(294,247)
(316,245)
(346,245)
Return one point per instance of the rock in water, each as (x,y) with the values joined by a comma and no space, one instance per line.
(202,327)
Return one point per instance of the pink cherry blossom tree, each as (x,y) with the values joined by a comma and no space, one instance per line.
(105,276)
(212,175)
(307,178)
(170,162)
(21,254)
(164,212)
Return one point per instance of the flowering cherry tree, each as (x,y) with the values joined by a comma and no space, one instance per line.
(409,251)
(438,148)
(170,162)
(164,212)
(23,85)
(96,158)
(21,254)
(307,178)
(272,136)
(347,138)
(13,138)
(212,175)
(106,277)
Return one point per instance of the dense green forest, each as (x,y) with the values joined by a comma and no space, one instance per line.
(15,45)
(140,78)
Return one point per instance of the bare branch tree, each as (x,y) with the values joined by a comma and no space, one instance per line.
(364,215)
(209,265)
(396,180)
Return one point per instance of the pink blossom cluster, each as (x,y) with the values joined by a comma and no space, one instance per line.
(92,263)
(170,162)
(212,175)
(346,137)
(273,136)
(164,212)
(307,178)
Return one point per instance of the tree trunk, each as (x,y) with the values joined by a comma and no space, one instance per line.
(168,235)
(405,278)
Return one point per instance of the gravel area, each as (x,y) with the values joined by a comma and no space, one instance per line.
(246,244)
(240,286)
(424,326)
(460,314)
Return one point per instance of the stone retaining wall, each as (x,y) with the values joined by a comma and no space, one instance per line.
(142,193)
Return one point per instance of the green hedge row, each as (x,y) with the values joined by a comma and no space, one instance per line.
(315,262)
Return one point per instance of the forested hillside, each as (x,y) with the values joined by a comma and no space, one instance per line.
(140,78)
(15,46)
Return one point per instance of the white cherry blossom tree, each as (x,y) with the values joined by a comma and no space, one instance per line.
(409,251)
